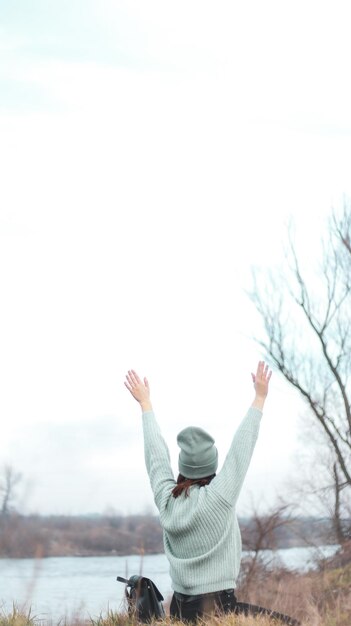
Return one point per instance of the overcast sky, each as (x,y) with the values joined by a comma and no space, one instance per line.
(151,153)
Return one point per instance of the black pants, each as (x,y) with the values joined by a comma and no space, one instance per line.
(190,608)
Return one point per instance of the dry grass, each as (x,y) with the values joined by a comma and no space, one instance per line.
(316,599)
(227,620)
(16,618)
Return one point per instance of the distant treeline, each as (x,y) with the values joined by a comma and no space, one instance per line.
(44,536)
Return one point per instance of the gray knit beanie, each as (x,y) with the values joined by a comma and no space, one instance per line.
(198,456)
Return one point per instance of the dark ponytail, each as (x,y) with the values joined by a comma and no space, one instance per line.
(184,484)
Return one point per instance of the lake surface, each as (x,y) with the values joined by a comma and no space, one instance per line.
(56,588)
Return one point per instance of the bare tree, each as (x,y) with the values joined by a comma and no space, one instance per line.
(307,325)
(7,488)
(259,535)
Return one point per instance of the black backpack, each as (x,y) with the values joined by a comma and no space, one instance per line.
(143,598)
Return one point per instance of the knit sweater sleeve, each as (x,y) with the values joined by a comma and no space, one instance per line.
(230,479)
(157,459)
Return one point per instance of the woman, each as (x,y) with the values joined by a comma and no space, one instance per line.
(201,533)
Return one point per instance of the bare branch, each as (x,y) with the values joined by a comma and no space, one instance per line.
(308,339)
(7,487)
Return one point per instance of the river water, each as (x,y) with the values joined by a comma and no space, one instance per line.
(68,587)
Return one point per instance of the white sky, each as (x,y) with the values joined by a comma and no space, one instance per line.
(151,153)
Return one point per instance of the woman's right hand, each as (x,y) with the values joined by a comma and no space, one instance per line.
(139,389)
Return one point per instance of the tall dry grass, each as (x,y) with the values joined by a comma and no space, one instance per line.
(317,598)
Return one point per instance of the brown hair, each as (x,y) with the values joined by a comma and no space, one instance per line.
(184,484)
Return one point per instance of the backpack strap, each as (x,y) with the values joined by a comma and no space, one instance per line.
(152,585)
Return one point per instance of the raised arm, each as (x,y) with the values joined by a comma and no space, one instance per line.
(155,448)
(231,477)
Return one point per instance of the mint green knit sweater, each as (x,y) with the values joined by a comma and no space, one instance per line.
(200,532)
